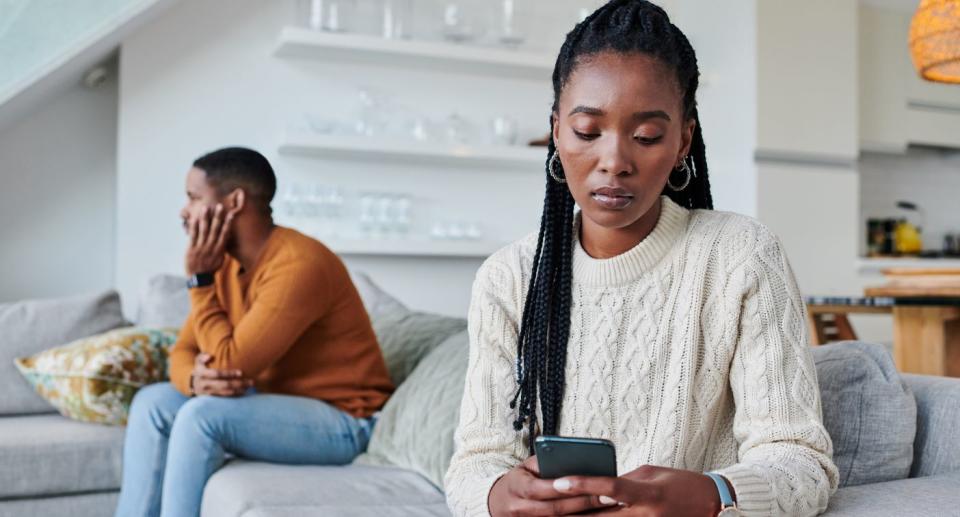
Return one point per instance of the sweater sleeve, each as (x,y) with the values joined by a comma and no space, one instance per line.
(182,355)
(486,445)
(785,465)
(284,303)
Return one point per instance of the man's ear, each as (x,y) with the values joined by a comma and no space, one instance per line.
(236,201)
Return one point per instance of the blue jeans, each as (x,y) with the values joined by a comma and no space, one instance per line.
(175,443)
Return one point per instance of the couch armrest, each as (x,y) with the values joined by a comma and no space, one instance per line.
(937,446)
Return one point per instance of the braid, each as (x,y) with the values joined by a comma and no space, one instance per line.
(625,26)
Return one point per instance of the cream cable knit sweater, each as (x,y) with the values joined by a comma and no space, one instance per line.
(688,351)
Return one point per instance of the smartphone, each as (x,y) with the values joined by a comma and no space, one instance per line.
(560,456)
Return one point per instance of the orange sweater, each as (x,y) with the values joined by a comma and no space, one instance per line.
(294,323)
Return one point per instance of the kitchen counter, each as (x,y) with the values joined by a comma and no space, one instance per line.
(875,265)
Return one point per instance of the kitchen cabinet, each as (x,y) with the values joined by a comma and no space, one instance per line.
(897,107)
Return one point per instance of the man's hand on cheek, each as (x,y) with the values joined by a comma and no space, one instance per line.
(208,233)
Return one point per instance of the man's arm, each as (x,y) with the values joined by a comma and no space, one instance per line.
(182,356)
(290,298)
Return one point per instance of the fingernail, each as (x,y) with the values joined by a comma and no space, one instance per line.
(607,500)
(561,485)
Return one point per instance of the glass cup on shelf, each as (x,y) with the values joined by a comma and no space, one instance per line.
(401,214)
(460,24)
(293,197)
(474,232)
(509,33)
(328,15)
(504,131)
(368,215)
(397,19)
(459,130)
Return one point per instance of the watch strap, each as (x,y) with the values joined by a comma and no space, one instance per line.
(726,500)
(200,280)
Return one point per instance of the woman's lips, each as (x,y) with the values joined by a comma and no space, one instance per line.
(612,198)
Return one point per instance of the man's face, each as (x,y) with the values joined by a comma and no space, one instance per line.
(199,194)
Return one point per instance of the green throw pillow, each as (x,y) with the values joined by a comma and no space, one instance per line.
(415,429)
(94,379)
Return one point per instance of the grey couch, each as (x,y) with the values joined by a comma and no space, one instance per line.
(894,435)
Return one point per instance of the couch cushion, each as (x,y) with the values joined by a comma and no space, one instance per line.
(937,447)
(95,504)
(937,495)
(164,302)
(94,378)
(868,410)
(248,488)
(32,326)
(415,429)
(51,455)
(405,336)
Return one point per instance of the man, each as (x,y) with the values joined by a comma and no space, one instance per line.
(276,362)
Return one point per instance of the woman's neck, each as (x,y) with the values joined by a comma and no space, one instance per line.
(603,243)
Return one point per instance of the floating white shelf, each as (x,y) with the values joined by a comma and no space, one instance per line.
(305,43)
(358,148)
(412,248)
(875,265)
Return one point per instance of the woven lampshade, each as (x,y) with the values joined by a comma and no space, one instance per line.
(935,40)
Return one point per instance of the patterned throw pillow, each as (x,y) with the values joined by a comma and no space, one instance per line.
(94,379)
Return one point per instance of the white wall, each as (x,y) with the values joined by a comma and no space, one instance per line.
(202,76)
(727,96)
(57,168)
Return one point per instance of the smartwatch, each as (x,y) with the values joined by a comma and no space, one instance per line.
(728,508)
(200,280)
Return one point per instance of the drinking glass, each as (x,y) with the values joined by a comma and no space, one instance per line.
(397,19)
(331,15)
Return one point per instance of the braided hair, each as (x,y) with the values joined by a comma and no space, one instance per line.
(622,26)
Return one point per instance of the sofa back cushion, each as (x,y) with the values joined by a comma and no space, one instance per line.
(868,410)
(31,326)
(937,447)
(164,302)
(405,336)
(415,430)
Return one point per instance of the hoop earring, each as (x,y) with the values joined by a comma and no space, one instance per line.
(691,173)
(552,168)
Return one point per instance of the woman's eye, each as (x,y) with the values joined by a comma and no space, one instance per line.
(648,140)
(585,136)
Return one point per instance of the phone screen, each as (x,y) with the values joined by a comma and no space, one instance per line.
(559,456)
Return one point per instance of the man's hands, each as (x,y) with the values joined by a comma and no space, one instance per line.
(522,492)
(647,491)
(220,383)
(208,234)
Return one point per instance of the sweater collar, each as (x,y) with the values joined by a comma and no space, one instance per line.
(630,265)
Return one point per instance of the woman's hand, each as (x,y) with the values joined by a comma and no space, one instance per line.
(650,491)
(521,492)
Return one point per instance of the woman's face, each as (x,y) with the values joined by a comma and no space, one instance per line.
(620,131)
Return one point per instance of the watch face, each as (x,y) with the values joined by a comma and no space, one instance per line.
(730,512)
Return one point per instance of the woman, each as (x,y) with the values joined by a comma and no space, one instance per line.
(674,331)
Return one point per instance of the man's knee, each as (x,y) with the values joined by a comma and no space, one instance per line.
(156,405)
(207,414)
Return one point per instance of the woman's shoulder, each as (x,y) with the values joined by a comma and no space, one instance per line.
(731,231)
(511,263)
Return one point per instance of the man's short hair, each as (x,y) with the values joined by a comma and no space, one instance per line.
(239,167)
